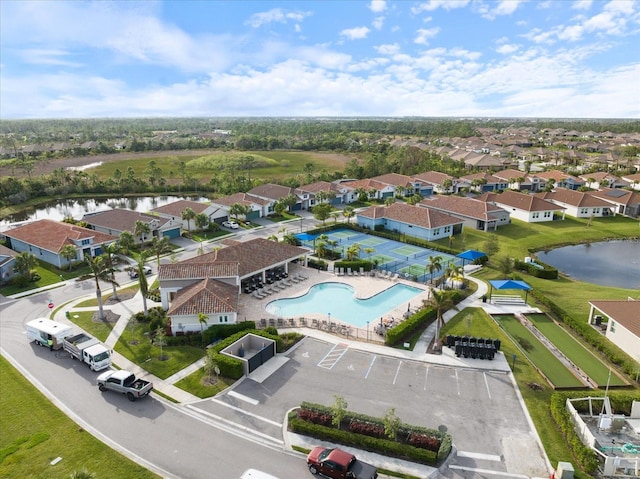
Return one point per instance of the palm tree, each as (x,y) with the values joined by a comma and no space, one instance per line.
(188,214)
(24,263)
(110,251)
(320,245)
(202,221)
(69,252)
(126,242)
(99,272)
(83,474)
(142,279)
(353,251)
(159,246)
(141,229)
(202,319)
(454,272)
(369,251)
(348,212)
(440,302)
(434,265)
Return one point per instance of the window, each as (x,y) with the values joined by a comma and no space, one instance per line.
(86,241)
(583,211)
(447,229)
(535,215)
(547,214)
(613,326)
(436,231)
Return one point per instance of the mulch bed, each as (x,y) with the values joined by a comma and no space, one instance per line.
(109,317)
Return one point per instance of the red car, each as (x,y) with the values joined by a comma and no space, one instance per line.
(338,464)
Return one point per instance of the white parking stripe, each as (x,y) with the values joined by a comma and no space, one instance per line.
(486,471)
(479,455)
(333,356)
(457,383)
(247,413)
(397,371)
(242,397)
(426,375)
(487,384)
(373,360)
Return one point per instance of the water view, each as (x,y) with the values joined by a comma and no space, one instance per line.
(610,263)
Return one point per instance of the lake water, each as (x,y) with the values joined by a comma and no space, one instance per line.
(610,263)
(76,208)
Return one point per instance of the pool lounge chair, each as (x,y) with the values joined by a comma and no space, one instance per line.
(349,272)
(361,271)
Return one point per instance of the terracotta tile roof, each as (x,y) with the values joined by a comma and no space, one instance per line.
(177,207)
(626,313)
(631,178)
(207,296)
(52,235)
(6,254)
(520,201)
(616,195)
(123,220)
(367,184)
(434,177)
(198,270)
(509,174)
(271,191)
(489,178)
(467,207)
(319,186)
(414,215)
(242,198)
(394,179)
(556,175)
(572,197)
(251,256)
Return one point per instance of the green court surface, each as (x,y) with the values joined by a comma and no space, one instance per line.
(413,270)
(341,234)
(372,241)
(538,354)
(382,259)
(578,354)
(407,251)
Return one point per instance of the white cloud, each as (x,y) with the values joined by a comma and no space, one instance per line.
(378,6)
(378,23)
(388,49)
(432,5)
(424,34)
(276,15)
(507,49)
(40,56)
(356,33)
(582,4)
(504,7)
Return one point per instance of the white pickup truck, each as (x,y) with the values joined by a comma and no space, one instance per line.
(124,382)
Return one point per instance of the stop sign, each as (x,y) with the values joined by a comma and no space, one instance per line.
(50,305)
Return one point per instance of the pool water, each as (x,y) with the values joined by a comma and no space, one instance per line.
(337,301)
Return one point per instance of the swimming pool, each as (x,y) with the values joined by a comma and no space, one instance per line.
(338,301)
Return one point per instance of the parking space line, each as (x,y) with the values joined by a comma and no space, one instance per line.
(479,455)
(373,360)
(333,356)
(242,397)
(247,413)
(426,376)
(457,382)
(397,371)
(486,383)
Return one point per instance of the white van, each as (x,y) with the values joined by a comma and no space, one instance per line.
(41,330)
(255,474)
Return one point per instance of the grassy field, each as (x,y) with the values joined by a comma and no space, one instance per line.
(97,329)
(475,322)
(537,353)
(578,354)
(194,385)
(34,432)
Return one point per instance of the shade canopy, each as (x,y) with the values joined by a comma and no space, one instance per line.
(509,284)
(471,255)
(306,237)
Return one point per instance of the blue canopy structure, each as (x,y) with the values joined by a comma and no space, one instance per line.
(471,255)
(306,236)
(509,284)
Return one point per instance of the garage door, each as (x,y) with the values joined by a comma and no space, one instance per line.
(171,234)
(253,215)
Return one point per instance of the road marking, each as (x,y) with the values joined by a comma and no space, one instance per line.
(426,375)
(373,360)
(247,413)
(457,383)
(244,398)
(397,371)
(486,471)
(479,455)
(305,355)
(333,356)
(486,384)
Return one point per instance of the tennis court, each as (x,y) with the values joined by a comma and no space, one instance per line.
(407,260)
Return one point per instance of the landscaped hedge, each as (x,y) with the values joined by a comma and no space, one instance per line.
(211,334)
(354,265)
(413,443)
(548,272)
(590,335)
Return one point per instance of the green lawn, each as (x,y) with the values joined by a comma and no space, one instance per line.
(34,432)
(94,302)
(48,275)
(193,384)
(578,354)
(135,345)
(97,329)
(539,355)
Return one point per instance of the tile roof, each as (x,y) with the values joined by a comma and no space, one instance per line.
(467,207)
(177,207)
(251,256)
(6,254)
(434,177)
(489,178)
(509,174)
(414,215)
(242,198)
(627,313)
(555,175)
(207,296)
(122,220)
(271,191)
(616,195)
(52,235)
(198,269)
(320,186)
(367,184)
(572,197)
(520,201)
(394,179)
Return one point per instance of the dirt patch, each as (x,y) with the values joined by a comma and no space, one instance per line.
(121,297)
(109,317)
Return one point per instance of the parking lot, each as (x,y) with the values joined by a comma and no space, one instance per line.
(479,408)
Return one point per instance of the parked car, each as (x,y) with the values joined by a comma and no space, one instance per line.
(133,271)
(231,224)
(338,464)
(124,382)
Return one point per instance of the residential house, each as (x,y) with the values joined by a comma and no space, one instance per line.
(258,207)
(274,193)
(114,222)
(476,214)
(518,180)
(524,207)
(46,239)
(626,203)
(559,179)
(483,182)
(411,220)
(336,193)
(603,179)
(622,319)
(440,183)
(7,262)
(405,186)
(577,204)
(374,189)
(210,283)
(632,180)
(173,211)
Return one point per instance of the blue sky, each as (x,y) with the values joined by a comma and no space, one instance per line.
(471,58)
